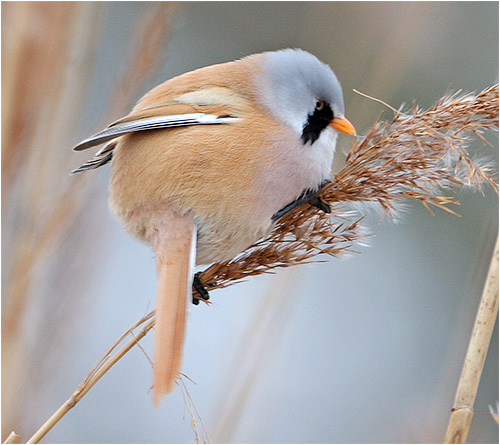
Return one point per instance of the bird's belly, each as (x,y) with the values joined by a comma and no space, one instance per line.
(222,242)
(231,187)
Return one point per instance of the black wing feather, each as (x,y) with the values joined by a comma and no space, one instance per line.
(148,123)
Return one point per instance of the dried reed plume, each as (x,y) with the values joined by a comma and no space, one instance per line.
(413,156)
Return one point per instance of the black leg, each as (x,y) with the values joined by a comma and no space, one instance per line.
(316,201)
(200,290)
(310,197)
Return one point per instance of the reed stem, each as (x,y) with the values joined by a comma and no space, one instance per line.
(13,438)
(462,411)
(88,383)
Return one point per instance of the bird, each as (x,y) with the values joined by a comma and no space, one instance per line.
(206,163)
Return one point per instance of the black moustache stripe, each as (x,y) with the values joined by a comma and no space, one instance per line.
(316,123)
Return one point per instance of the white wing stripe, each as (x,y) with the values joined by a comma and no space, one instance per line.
(151,123)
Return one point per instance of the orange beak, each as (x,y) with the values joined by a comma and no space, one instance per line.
(343,125)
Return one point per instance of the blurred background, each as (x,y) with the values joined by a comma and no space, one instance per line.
(367,349)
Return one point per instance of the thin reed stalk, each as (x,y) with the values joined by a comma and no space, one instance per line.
(463,407)
(104,365)
(13,438)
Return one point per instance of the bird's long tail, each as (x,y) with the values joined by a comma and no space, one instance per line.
(175,257)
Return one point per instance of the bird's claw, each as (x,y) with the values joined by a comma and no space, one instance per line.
(317,202)
(200,290)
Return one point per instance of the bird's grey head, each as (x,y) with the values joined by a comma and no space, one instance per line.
(300,91)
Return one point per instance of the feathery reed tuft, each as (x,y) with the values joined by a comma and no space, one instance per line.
(421,156)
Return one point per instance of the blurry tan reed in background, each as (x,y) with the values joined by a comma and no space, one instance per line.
(48,51)
(40,97)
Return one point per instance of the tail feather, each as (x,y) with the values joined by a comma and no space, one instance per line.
(175,250)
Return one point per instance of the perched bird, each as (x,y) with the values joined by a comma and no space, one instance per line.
(207,161)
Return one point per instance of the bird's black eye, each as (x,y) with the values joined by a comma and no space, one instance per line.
(319,105)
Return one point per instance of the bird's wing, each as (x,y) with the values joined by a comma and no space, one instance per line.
(175,250)
(152,123)
(102,157)
(154,118)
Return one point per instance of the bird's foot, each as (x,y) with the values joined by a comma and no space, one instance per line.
(317,202)
(201,292)
(310,197)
